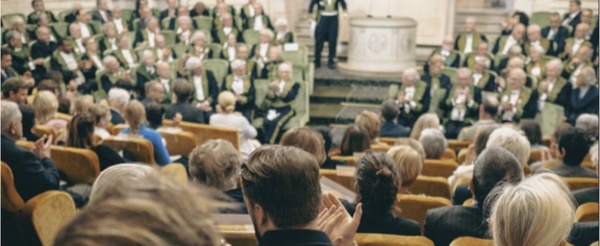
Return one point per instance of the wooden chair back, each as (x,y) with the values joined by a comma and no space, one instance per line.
(431,186)
(372,239)
(80,165)
(238,235)
(178,142)
(140,148)
(581,183)
(204,132)
(415,207)
(25,144)
(449,154)
(65,117)
(380,148)
(458,145)
(389,141)
(116,129)
(41,130)
(177,172)
(468,202)
(587,212)
(439,168)
(462,155)
(11,200)
(535,155)
(472,241)
(350,160)
(48,213)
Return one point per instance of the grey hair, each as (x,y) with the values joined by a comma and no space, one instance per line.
(10,115)
(267,32)
(73,25)
(198,34)
(515,49)
(486,61)
(237,64)
(411,71)
(511,140)
(193,63)
(537,211)
(118,97)
(534,27)
(494,166)
(434,143)
(281,22)
(108,59)
(147,53)
(11,35)
(555,63)
(285,66)
(589,75)
(588,123)
(17,19)
(116,174)
(107,27)
(463,71)
(184,18)
(539,49)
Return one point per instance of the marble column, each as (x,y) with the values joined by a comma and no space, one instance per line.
(381,46)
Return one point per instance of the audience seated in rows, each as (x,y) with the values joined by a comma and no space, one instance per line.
(389,126)
(433,143)
(135,116)
(573,147)
(409,164)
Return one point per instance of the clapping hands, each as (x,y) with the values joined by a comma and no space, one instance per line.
(335,221)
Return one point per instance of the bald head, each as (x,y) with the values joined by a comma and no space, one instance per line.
(470,23)
(448,43)
(533,33)
(163,70)
(581,30)
(464,76)
(515,62)
(518,31)
(516,78)
(409,77)
(554,68)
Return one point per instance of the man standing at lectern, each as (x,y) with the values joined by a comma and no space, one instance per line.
(327,27)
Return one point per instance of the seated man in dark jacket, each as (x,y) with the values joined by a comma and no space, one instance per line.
(182,95)
(573,146)
(33,172)
(493,167)
(389,127)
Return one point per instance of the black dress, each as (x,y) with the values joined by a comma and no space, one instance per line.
(107,156)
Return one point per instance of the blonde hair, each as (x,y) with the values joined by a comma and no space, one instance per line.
(106,182)
(409,163)
(135,115)
(371,122)
(216,164)
(511,140)
(429,120)
(98,112)
(82,104)
(227,102)
(153,210)
(412,143)
(538,211)
(45,106)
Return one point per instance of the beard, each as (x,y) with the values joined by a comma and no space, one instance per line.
(252,217)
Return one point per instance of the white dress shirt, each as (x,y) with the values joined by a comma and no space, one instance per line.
(238,85)
(69,60)
(166,85)
(251,10)
(476,78)
(151,37)
(513,99)
(409,93)
(264,48)
(113,43)
(128,57)
(103,14)
(227,30)
(568,19)
(575,74)
(231,53)
(551,33)
(583,92)
(85,31)
(544,96)
(258,23)
(119,25)
(536,71)
(150,70)
(281,86)
(97,61)
(510,41)
(80,46)
(576,45)
(199,88)
(469,44)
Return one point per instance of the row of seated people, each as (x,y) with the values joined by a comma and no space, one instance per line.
(84,56)
(380,177)
(174,18)
(510,98)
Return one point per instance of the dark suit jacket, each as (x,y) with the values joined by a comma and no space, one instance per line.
(573,171)
(41,50)
(238,198)
(142,77)
(107,156)
(584,233)
(165,14)
(445,224)
(384,223)
(586,195)
(31,174)
(28,121)
(559,37)
(392,130)
(574,22)
(188,112)
(587,104)
(98,17)
(10,72)
(116,117)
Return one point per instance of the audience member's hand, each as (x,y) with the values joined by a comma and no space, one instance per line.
(337,223)
(546,155)
(42,146)
(274,86)
(177,119)
(544,86)
(400,98)
(471,153)
(506,106)
(29,78)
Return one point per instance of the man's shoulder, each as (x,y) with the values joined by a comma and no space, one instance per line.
(451,212)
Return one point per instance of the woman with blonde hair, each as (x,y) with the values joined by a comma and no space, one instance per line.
(135,116)
(409,163)
(102,118)
(372,123)
(226,117)
(537,212)
(217,164)
(108,179)
(82,104)
(429,120)
(413,144)
(45,107)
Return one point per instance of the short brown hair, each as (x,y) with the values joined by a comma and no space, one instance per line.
(151,211)
(82,104)
(371,122)
(215,164)
(306,139)
(409,163)
(98,111)
(183,90)
(13,85)
(356,139)
(284,181)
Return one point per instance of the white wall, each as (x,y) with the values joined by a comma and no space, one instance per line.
(561,6)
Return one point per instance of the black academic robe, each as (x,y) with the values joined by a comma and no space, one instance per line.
(98,17)
(559,37)
(41,50)
(574,22)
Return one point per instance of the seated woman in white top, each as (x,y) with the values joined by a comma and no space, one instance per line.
(226,117)
(102,118)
